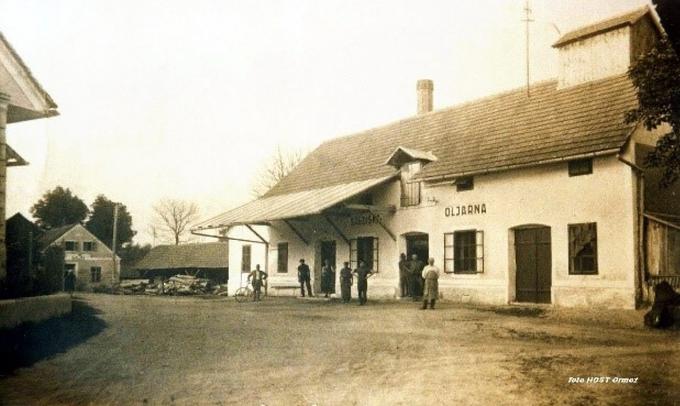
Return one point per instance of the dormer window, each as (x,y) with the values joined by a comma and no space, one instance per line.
(409,162)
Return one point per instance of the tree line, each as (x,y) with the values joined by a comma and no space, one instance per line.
(61,207)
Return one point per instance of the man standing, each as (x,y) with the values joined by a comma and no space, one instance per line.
(327,278)
(363,273)
(70,281)
(257,277)
(404,272)
(346,283)
(304,278)
(416,267)
(431,276)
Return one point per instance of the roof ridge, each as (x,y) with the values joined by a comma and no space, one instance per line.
(441,110)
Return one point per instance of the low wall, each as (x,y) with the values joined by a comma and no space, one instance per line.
(33,309)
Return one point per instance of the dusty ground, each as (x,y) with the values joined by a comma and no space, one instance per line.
(135,350)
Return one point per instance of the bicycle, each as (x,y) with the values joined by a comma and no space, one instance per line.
(246,293)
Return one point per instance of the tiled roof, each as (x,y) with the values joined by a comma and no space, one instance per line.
(53,234)
(206,255)
(601,26)
(495,133)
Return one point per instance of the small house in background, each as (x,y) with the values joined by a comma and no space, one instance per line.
(87,256)
(206,260)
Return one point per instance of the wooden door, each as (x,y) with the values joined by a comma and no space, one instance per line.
(534,264)
(419,245)
(328,249)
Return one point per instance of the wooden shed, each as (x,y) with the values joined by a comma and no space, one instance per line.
(205,260)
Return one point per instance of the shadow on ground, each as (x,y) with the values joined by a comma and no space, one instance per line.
(29,343)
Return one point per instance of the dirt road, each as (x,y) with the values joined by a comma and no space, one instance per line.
(150,350)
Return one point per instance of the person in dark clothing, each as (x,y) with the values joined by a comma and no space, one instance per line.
(257,278)
(327,278)
(363,273)
(304,277)
(404,274)
(416,266)
(346,280)
(70,281)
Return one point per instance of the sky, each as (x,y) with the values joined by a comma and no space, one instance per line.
(188,100)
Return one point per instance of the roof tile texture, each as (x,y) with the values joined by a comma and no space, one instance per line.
(506,130)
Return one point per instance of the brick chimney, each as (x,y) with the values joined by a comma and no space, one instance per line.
(424,88)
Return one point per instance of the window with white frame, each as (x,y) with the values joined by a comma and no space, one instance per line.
(364,249)
(410,189)
(464,252)
(583,249)
(245,258)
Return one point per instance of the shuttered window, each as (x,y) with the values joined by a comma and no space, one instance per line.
(464,252)
(583,249)
(364,249)
(282,257)
(89,246)
(245,258)
(70,245)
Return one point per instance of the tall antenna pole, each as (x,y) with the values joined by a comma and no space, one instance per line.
(527,20)
(114,242)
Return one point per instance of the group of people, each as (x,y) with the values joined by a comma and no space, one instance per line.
(362,273)
(416,280)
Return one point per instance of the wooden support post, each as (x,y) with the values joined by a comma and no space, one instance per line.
(257,234)
(4,103)
(296,231)
(387,230)
(336,228)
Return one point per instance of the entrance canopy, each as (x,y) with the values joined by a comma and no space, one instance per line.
(290,206)
(13,158)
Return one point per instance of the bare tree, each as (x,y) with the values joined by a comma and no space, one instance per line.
(277,166)
(173,217)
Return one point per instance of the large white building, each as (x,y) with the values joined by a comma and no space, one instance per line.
(519,199)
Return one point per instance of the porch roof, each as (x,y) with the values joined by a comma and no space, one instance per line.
(13,157)
(291,205)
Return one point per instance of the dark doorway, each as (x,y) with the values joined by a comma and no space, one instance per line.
(534,264)
(418,244)
(328,254)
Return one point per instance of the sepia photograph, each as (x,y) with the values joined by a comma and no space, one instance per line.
(340,202)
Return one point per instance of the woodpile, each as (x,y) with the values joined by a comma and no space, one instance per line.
(178,285)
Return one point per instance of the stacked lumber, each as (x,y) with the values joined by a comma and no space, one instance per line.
(187,285)
(133,286)
(220,290)
(177,285)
